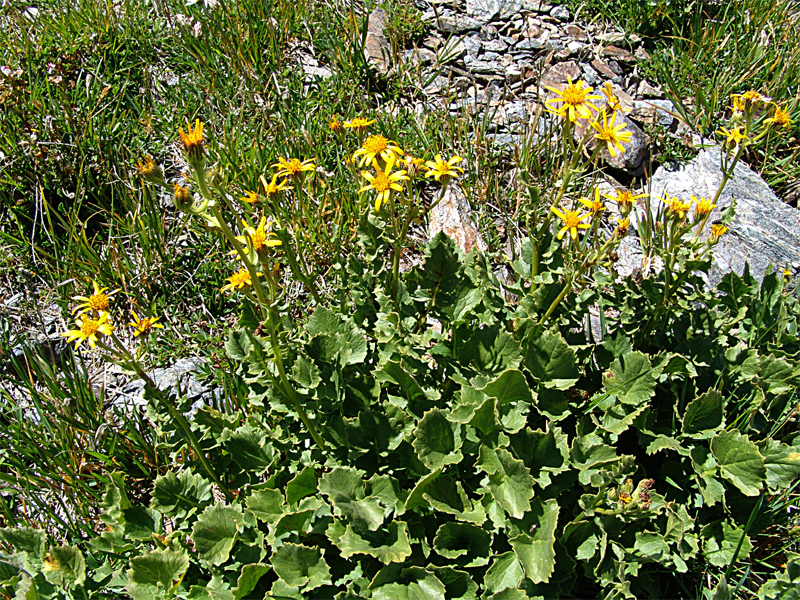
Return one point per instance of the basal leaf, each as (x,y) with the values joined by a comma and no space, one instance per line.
(490,350)
(25,539)
(782,463)
(705,467)
(509,386)
(215,531)
(631,379)
(344,488)
(415,498)
(544,453)
(536,552)
(305,372)
(237,345)
(141,522)
(510,481)
(65,566)
(249,447)
(504,572)
(267,505)
(303,484)
(552,361)
(459,585)
(248,579)
(722,542)
(389,544)
(448,496)
(704,413)
(164,568)
(301,566)
(437,440)
(178,496)
(739,461)
(415,583)
(464,544)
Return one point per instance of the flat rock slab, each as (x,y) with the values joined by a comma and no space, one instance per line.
(452,215)
(765,230)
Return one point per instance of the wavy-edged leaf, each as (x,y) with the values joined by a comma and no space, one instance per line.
(504,572)
(389,544)
(267,505)
(344,488)
(301,566)
(704,413)
(465,544)
(510,481)
(551,361)
(490,350)
(415,583)
(215,530)
(179,496)
(65,566)
(739,461)
(632,379)
(437,441)
(159,569)
(536,552)
(782,463)
(249,578)
(303,484)
(25,539)
(448,496)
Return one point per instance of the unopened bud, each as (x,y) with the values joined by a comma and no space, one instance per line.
(182,198)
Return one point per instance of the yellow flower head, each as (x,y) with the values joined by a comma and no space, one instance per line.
(383,182)
(613,136)
(572,222)
(145,325)
(98,301)
(249,197)
(149,170)
(780,119)
(358,124)
(193,141)
(294,167)
(182,198)
(259,238)
(625,200)
(717,231)
(596,205)
(412,165)
(442,170)
(239,280)
(734,136)
(625,498)
(787,274)
(89,329)
(335,126)
(702,208)
(377,146)
(611,99)
(622,227)
(273,188)
(675,206)
(748,100)
(574,100)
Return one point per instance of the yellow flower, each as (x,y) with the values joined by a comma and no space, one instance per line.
(383,182)
(748,100)
(717,231)
(738,103)
(259,238)
(624,200)
(239,280)
(377,145)
(358,124)
(780,118)
(611,99)
(572,222)
(249,197)
(787,274)
(442,170)
(294,167)
(702,208)
(595,206)
(89,329)
(625,498)
(622,227)
(574,101)
(335,126)
(149,170)
(273,188)
(98,301)
(412,165)
(676,206)
(182,198)
(611,135)
(733,136)
(193,141)
(145,325)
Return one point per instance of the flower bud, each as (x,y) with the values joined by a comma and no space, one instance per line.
(182,198)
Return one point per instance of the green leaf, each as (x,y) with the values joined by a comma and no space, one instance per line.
(552,361)
(237,345)
(448,496)
(458,584)
(739,461)
(179,495)
(267,505)
(721,592)
(249,578)
(389,544)
(304,484)
(415,498)
(490,350)
(632,380)
(305,372)
(651,545)
(510,481)
(505,572)
(704,413)
(250,447)
(536,552)
(782,463)
(164,568)
(509,593)
(301,566)
(705,466)
(393,372)
(464,544)
(416,584)
(722,542)
(618,417)
(437,440)
(141,522)
(786,585)
(215,531)
(65,566)
(509,386)
(25,539)
(344,488)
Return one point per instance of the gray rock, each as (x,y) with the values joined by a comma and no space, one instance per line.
(589,74)
(376,49)
(458,24)
(538,6)
(418,57)
(486,10)
(497,45)
(646,90)
(452,216)
(557,74)
(560,12)
(482,66)
(489,32)
(529,44)
(653,111)
(765,230)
